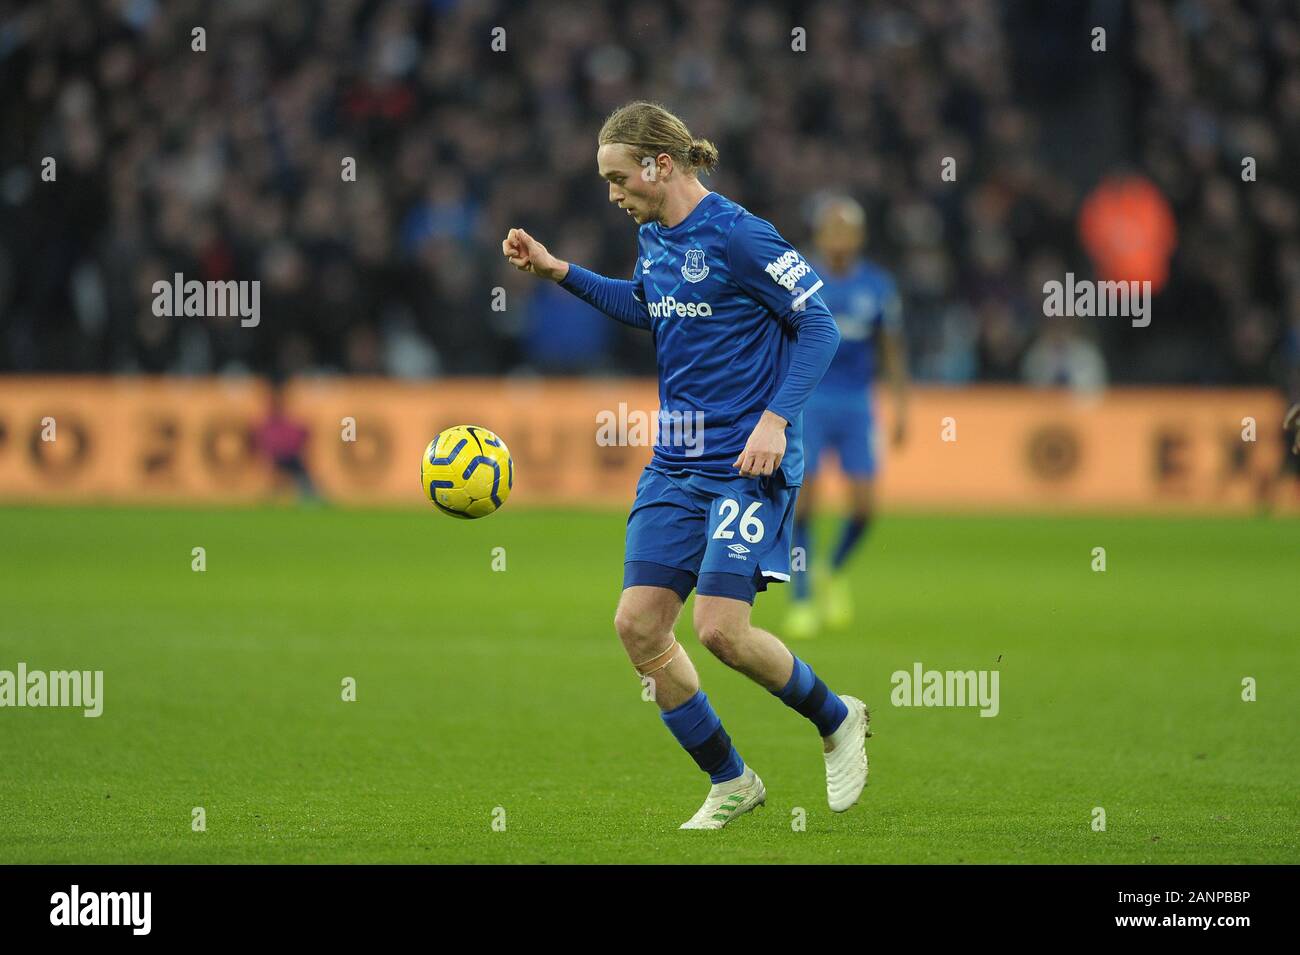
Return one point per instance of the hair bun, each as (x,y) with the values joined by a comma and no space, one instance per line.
(703,154)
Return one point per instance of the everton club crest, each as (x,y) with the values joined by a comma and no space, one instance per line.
(695,269)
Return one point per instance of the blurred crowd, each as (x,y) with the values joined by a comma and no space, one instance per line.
(228,162)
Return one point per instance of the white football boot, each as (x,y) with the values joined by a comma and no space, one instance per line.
(846,763)
(728,800)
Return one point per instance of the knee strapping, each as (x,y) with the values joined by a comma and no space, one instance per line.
(669,651)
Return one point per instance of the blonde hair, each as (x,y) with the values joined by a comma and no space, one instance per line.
(649,129)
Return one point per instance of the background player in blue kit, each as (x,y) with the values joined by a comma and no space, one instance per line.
(741,339)
(839,416)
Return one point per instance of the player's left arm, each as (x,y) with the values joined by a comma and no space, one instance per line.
(769,269)
(893,347)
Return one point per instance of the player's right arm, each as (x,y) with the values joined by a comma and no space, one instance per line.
(616,298)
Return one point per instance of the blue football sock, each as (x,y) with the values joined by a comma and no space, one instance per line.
(810,696)
(800,577)
(700,732)
(854,529)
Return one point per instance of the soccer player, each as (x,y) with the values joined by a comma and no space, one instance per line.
(1289,380)
(865,303)
(741,339)
(283,439)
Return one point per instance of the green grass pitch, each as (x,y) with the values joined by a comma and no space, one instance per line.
(479,689)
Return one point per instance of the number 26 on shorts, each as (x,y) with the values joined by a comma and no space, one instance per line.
(751,528)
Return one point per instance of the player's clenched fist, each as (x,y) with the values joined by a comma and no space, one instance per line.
(528,255)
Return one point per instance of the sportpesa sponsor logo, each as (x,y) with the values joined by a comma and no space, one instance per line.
(668,306)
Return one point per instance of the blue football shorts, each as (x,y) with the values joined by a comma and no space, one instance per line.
(845,425)
(721,535)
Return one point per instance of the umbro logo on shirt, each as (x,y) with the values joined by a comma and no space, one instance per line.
(738,549)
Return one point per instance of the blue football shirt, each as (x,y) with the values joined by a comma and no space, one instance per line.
(726,297)
(864,302)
